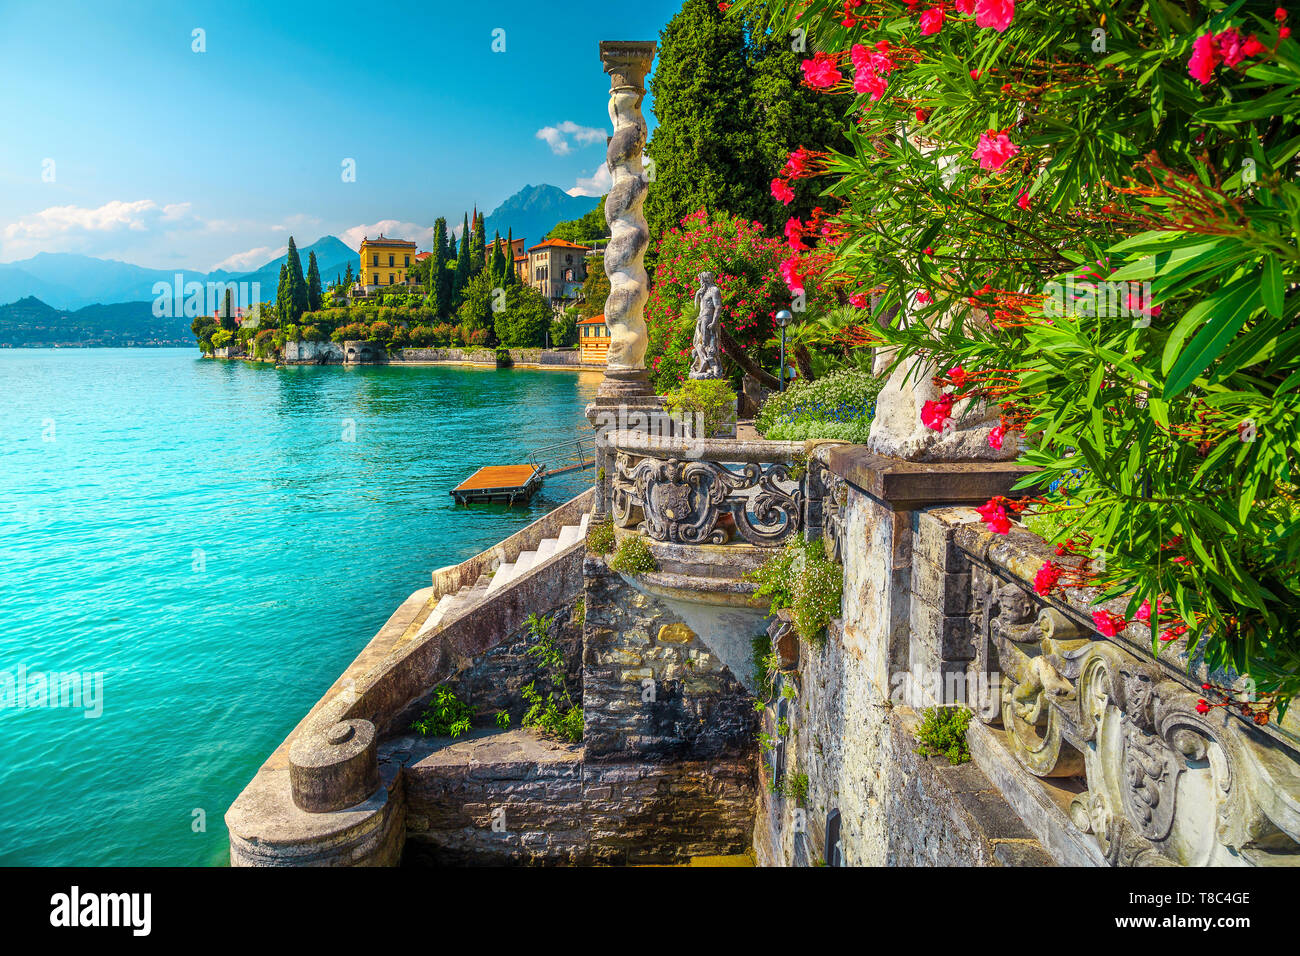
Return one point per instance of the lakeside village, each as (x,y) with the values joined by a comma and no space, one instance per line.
(470,294)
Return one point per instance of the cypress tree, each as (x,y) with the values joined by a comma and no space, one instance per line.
(463,274)
(477,246)
(313,284)
(510,257)
(498,261)
(297,297)
(437,286)
(282,292)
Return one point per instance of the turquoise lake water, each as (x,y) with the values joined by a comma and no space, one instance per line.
(202,534)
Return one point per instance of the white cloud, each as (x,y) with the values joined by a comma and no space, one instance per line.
(392,229)
(247,261)
(595,185)
(557,137)
(91,230)
(298,221)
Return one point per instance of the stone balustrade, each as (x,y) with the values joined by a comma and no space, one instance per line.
(683,490)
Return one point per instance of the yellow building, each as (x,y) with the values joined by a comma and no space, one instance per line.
(384,263)
(593,339)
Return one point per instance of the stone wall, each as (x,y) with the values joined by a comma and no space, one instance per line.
(558,357)
(313,353)
(654,689)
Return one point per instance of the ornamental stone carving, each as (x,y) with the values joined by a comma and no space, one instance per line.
(1165,784)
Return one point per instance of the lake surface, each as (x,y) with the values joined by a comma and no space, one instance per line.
(218,541)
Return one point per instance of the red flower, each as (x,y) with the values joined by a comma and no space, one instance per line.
(974,74)
(996,437)
(1279,14)
(965,6)
(957,375)
(995,149)
(781,190)
(995,516)
(859,300)
(1108,624)
(1046,578)
(820,72)
(1252,47)
(1144,612)
(1283,33)
(931,21)
(935,414)
(994,13)
(1205,57)
(1202,707)
(1023,200)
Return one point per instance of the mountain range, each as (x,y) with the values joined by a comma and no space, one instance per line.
(31,323)
(68,282)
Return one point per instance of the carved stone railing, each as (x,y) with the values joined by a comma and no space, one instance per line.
(1168,780)
(682,490)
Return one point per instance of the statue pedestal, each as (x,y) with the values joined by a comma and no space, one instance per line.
(624,383)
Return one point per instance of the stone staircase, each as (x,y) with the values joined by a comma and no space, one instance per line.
(451,606)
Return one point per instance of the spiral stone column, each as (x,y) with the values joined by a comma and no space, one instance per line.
(627,62)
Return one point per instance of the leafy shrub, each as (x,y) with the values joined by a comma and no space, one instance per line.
(221,338)
(600,537)
(801,578)
(841,405)
(710,403)
(446,715)
(633,556)
(943,733)
(556,715)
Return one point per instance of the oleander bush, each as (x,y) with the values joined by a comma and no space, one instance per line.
(1089,217)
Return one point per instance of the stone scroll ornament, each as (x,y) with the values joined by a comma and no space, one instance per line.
(627,63)
(705,356)
(1164,781)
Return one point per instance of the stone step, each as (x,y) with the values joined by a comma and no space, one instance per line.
(504,573)
(545,550)
(523,563)
(582,526)
(568,535)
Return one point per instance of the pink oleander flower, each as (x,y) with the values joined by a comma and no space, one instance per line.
(794,232)
(1205,57)
(995,516)
(1229,44)
(935,415)
(1108,624)
(994,13)
(781,190)
(1046,578)
(872,83)
(995,149)
(859,300)
(965,6)
(1023,200)
(1252,46)
(931,21)
(820,72)
(996,437)
(794,279)
(1144,612)
(923,298)
(798,164)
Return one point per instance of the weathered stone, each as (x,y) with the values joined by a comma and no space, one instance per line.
(676,634)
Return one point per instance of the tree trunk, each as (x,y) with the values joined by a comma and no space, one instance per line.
(737,355)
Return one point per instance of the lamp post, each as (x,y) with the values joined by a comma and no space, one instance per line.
(783,319)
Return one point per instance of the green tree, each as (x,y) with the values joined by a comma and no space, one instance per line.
(475,310)
(731,105)
(595,288)
(463,270)
(498,265)
(296,296)
(313,284)
(478,246)
(438,286)
(526,318)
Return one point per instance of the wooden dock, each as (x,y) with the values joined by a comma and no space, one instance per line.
(506,484)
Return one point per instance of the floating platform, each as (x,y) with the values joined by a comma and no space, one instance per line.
(506,484)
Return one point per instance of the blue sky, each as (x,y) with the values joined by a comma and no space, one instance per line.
(167,157)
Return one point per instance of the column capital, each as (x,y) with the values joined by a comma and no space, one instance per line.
(627,61)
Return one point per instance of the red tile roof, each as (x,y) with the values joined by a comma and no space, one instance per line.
(421,256)
(558,243)
(594,320)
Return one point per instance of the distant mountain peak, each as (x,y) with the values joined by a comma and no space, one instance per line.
(533,211)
